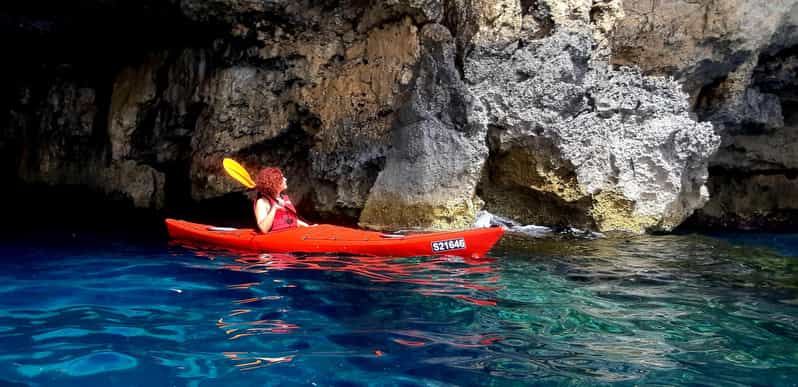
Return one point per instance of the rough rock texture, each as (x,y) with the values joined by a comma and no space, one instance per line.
(328,92)
(438,152)
(700,41)
(737,59)
(754,173)
(616,145)
(62,145)
(414,113)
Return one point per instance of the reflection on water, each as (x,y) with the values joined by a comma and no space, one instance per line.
(439,275)
(466,279)
(664,310)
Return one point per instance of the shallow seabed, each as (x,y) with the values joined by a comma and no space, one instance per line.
(111,310)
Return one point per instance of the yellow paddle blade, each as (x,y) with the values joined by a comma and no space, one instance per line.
(237,171)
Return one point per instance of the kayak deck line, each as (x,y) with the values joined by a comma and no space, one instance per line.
(215,228)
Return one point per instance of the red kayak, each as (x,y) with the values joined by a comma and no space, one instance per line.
(325,238)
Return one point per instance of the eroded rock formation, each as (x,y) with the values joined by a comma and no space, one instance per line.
(588,145)
(737,61)
(412,113)
(438,152)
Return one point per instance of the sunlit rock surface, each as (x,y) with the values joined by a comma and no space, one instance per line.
(737,60)
(601,115)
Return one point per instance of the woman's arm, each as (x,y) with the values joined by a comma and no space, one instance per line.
(264,214)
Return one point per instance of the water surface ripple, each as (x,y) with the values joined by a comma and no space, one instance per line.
(656,310)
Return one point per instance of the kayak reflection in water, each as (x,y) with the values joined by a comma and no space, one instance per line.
(273,209)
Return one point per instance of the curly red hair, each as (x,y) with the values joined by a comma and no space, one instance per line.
(269,181)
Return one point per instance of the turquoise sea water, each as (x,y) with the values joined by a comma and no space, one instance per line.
(659,310)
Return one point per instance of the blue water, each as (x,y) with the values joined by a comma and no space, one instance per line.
(663,310)
(786,244)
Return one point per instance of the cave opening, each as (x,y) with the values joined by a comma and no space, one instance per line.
(60,63)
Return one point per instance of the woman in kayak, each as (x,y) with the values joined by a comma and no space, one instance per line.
(273,209)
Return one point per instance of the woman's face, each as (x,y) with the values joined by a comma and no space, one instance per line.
(284,186)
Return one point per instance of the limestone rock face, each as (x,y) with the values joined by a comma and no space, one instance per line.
(438,151)
(311,88)
(573,141)
(754,201)
(417,113)
(63,148)
(134,89)
(240,111)
(612,144)
(699,41)
(737,61)
(356,104)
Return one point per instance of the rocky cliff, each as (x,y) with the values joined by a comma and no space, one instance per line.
(737,61)
(407,113)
